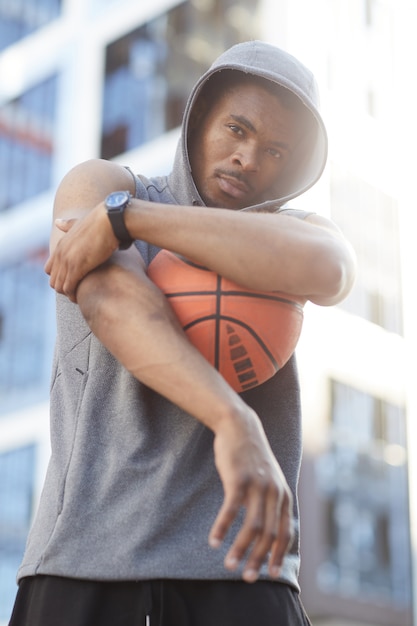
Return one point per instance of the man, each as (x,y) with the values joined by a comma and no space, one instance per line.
(167,492)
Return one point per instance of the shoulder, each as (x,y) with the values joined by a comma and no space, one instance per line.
(99,174)
(87,184)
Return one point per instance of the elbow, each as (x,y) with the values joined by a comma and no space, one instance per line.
(336,276)
(92,298)
(99,296)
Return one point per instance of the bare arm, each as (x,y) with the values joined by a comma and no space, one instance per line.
(152,346)
(308,258)
(263,251)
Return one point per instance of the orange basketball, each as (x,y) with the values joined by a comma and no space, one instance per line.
(247,335)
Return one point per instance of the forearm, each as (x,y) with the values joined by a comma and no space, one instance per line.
(257,250)
(152,346)
(307,258)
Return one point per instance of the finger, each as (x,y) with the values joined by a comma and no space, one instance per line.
(252,528)
(225,518)
(274,536)
(66,285)
(61,277)
(70,291)
(48,266)
(267,535)
(53,267)
(284,539)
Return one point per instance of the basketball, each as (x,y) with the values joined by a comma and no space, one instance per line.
(247,335)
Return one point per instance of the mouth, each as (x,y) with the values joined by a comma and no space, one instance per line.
(233,185)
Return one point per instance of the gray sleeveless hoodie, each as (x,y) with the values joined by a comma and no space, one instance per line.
(131,489)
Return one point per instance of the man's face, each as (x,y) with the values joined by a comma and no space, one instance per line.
(241,147)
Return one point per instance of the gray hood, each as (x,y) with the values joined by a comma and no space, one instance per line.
(271,63)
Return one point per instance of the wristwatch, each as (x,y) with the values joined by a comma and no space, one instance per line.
(116,204)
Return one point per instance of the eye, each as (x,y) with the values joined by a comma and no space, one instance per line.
(274,153)
(235,129)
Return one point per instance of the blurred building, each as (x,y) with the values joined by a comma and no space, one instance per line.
(109,78)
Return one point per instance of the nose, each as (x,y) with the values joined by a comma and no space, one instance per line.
(247,157)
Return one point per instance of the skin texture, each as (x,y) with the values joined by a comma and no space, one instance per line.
(261,144)
(242,148)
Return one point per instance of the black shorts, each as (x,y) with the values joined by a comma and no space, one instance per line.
(55,601)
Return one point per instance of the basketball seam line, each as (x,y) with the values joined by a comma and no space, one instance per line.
(239,323)
(185,294)
(217,325)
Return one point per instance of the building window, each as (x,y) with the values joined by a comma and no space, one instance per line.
(17,469)
(363,481)
(22,17)
(369,219)
(25,300)
(150,71)
(26,143)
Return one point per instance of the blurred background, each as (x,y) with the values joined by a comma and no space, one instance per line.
(109,78)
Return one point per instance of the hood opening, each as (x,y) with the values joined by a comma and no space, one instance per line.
(294,84)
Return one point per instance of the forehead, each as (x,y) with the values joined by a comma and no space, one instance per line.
(261,107)
(222,82)
(246,93)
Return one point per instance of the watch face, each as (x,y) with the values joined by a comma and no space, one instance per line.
(117,199)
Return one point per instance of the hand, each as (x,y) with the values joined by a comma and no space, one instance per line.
(252,478)
(87,243)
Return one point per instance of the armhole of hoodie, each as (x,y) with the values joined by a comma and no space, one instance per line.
(146,251)
(137,181)
(296,213)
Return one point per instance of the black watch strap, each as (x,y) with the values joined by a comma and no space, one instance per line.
(116,204)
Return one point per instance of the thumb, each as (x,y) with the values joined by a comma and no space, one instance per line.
(64,224)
